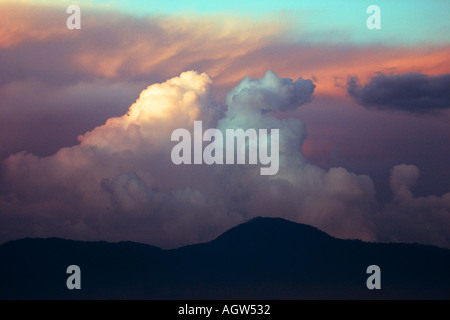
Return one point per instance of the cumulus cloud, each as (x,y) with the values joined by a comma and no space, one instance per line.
(403,177)
(414,219)
(41,119)
(119,182)
(105,184)
(43,64)
(269,93)
(411,92)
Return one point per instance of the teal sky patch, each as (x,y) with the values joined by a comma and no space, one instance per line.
(402,21)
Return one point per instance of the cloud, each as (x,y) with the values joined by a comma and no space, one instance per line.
(403,177)
(37,118)
(99,188)
(28,22)
(122,53)
(411,92)
(119,183)
(112,45)
(414,219)
(270,94)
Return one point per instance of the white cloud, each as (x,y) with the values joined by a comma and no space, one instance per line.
(119,182)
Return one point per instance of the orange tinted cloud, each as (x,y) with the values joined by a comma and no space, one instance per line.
(30,22)
(116,46)
(330,65)
(124,164)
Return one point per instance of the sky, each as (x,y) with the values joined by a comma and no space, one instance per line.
(404,21)
(86,118)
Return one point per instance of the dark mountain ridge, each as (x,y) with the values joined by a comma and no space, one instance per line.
(265,258)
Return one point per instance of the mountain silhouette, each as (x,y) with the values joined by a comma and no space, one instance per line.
(264,258)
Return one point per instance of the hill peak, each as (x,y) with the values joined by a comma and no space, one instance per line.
(276,231)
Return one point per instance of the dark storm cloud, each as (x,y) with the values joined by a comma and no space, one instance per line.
(411,92)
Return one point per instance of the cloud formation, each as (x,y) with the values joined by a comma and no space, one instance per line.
(414,219)
(411,92)
(119,183)
(50,75)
